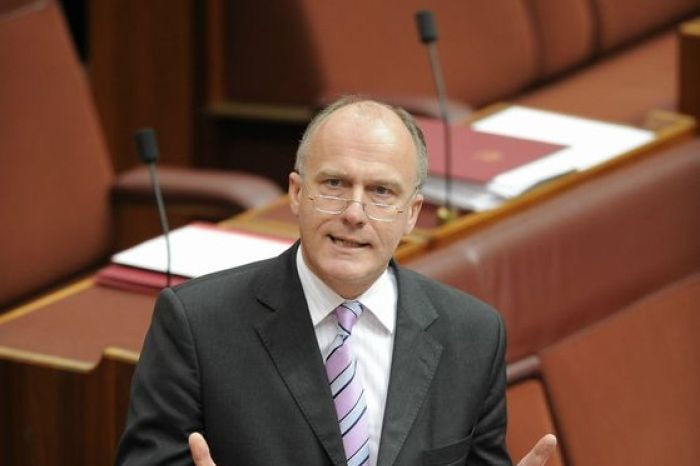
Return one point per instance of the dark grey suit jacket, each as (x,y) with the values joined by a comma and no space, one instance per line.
(234,355)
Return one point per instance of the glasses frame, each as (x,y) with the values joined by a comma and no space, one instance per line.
(396,210)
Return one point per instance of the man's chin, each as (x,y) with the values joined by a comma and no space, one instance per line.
(346,271)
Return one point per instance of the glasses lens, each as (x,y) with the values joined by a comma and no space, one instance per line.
(381,212)
(336,205)
(329,204)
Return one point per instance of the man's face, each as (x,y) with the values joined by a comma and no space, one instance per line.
(366,156)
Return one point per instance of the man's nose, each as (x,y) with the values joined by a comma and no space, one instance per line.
(355,212)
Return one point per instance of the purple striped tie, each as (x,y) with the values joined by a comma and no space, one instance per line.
(346,387)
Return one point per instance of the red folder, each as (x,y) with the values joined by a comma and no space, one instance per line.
(478,156)
(135,280)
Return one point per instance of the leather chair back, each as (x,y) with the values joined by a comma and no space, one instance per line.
(55,168)
(576,258)
(625,391)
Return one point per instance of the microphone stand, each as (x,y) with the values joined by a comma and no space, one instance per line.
(163,220)
(148,151)
(427,30)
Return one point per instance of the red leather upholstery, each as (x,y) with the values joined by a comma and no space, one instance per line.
(491,51)
(571,260)
(529,418)
(56,173)
(626,391)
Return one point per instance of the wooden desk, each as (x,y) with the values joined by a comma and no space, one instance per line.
(66,360)
(65,364)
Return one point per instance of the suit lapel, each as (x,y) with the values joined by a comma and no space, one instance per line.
(415,359)
(290,340)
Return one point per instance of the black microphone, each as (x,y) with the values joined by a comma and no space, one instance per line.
(148,152)
(426,26)
(428,34)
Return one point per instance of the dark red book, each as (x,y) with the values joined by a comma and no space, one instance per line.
(478,156)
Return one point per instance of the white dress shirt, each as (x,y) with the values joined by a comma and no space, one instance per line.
(372,337)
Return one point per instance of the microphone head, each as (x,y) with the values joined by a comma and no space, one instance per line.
(147,145)
(427,28)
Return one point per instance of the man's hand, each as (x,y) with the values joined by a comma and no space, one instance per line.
(538,456)
(200,450)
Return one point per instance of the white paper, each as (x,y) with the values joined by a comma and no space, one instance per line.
(465,195)
(589,142)
(199,249)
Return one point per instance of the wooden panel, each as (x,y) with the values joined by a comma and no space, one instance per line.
(63,390)
(118,366)
(52,417)
(142,69)
(689,72)
(215,51)
(266,148)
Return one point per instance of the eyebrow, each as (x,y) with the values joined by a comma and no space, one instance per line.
(394,184)
(330,173)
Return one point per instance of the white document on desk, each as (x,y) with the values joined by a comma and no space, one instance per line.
(590,142)
(200,248)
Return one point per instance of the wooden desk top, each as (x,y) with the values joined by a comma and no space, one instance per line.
(72,329)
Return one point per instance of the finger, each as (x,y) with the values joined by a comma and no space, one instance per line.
(541,452)
(200,450)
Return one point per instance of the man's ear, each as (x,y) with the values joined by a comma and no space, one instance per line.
(413,212)
(294,192)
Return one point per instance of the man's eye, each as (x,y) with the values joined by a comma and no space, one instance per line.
(382,191)
(332,183)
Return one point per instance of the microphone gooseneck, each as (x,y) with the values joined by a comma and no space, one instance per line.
(428,34)
(148,152)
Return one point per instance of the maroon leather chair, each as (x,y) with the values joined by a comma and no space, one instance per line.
(59,198)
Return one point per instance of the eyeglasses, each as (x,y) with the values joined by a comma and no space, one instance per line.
(336,205)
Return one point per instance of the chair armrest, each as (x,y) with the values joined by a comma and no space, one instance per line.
(239,191)
(189,194)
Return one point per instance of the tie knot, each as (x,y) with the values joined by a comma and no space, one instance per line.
(347,314)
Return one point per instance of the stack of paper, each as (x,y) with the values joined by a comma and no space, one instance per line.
(574,144)
(196,250)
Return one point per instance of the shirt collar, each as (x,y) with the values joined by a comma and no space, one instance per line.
(380,299)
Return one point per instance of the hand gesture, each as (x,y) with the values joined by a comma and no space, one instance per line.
(200,450)
(539,454)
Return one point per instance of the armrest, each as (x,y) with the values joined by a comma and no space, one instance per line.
(239,191)
(190,195)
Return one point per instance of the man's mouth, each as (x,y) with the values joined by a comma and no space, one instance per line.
(347,243)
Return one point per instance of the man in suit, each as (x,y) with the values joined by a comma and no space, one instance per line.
(330,353)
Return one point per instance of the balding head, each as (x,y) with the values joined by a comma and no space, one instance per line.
(369,109)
